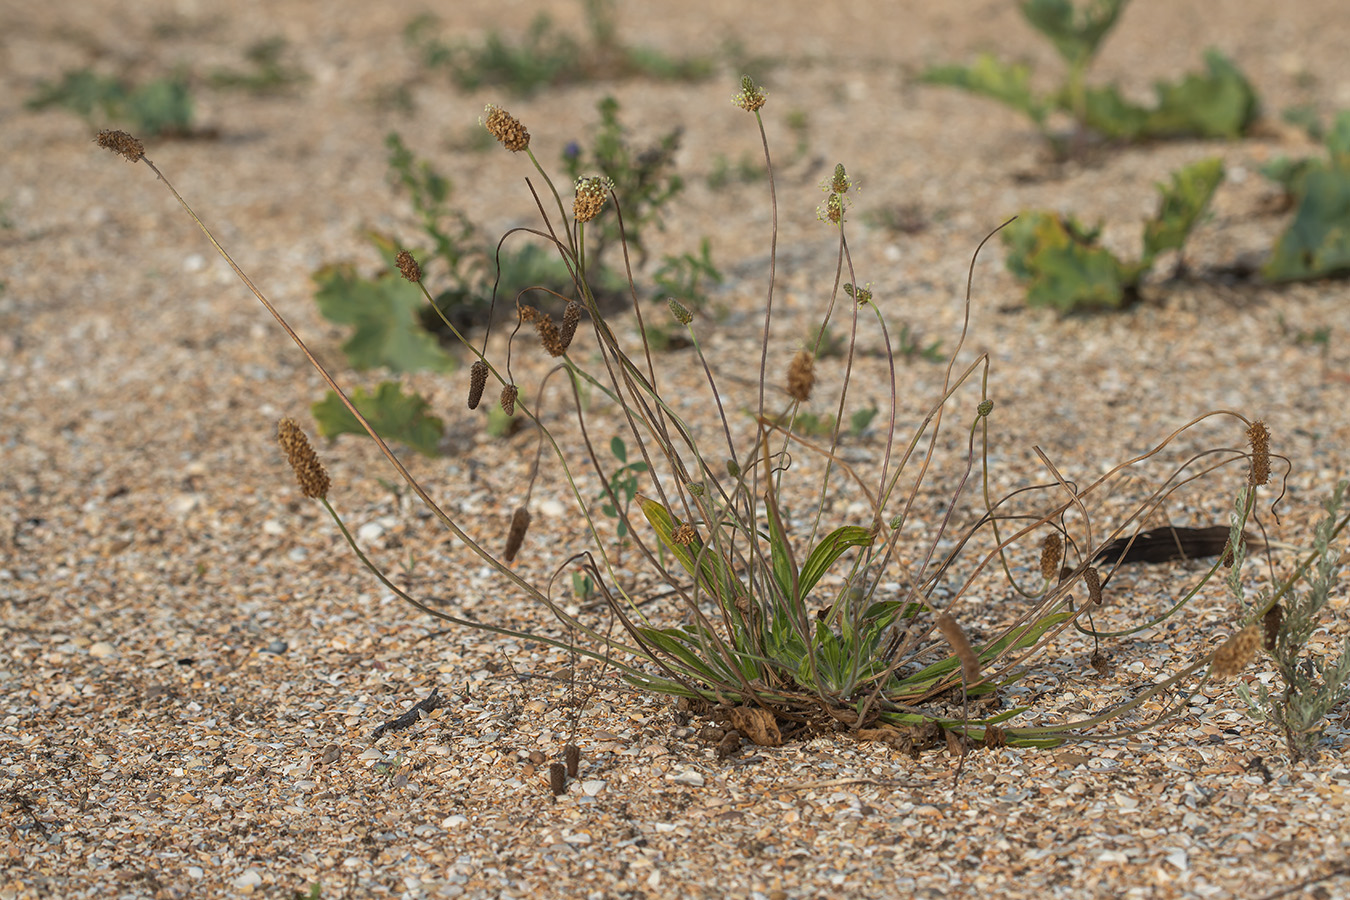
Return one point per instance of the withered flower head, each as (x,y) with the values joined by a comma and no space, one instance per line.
(520,523)
(684,535)
(970,663)
(1236,652)
(592,192)
(571,318)
(122,144)
(572,759)
(751,96)
(478,374)
(507,129)
(309,472)
(1093,579)
(557,778)
(1259,437)
(861,295)
(408,266)
(1052,553)
(508,399)
(832,211)
(549,335)
(801,376)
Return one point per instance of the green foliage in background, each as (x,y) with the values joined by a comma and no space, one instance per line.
(1065,267)
(1218,103)
(162,107)
(1317,242)
(396,416)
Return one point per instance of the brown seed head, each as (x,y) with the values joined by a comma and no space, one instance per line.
(970,663)
(679,311)
(309,472)
(592,193)
(1093,579)
(684,535)
(408,266)
(572,758)
(122,144)
(508,400)
(751,96)
(1236,652)
(549,335)
(478,374)
(1052,553)
(571,318)
(801,376)
(833,210)
(1259,437)
(507,129)
(520,523)
(1270,625)
(557,778)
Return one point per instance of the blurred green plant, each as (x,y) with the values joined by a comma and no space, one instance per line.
(1065,267)
(1312,686)
(268,73)
(1317,242)
(162,107)
(1218,103)
(548,57)
(394,415)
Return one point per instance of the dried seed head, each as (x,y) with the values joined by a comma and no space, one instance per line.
(1259,437)
(1052,554)
(520,523)
(591,196)
(572,757)
(751,96)
(557,778)
(1270,624)
(509,394)
(549,335)
(1093,579)
(801,376)
(1227,558)
(571,318)
(679,311)
(478,374)
(526,312)
(507,129)
(122,144)
(684,535)
(1236,652)
(408,266)
(309,472)
(970,663)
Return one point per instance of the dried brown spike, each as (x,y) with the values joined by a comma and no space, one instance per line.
(591,196)
(1093,579)
(571,318)
(1270,624)
(1236,652)
(1052,553)
(557,778)
(684,535)
(970,663)
(572,757)
(478,374)
(751,96)
(408,266)
(507,129)
(309,472)
(122,144)
(520,523)
(509,394)
(1259,437)
(801,376)
(1227,558)
(549,335)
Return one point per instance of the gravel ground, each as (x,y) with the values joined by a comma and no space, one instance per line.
(194,665)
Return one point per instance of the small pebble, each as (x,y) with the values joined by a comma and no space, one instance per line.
(277,647)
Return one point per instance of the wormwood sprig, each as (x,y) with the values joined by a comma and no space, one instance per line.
(782,607)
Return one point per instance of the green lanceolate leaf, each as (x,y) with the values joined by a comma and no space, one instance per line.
(1180,207)
(780,552)
(705,565)
(1075,33)
(829,550)
(395,416)
(1107,112)
(1317,243)
(1010,84)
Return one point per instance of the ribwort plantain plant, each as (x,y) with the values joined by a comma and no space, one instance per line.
(785,610)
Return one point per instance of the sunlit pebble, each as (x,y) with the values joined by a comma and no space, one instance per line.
(194,262)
